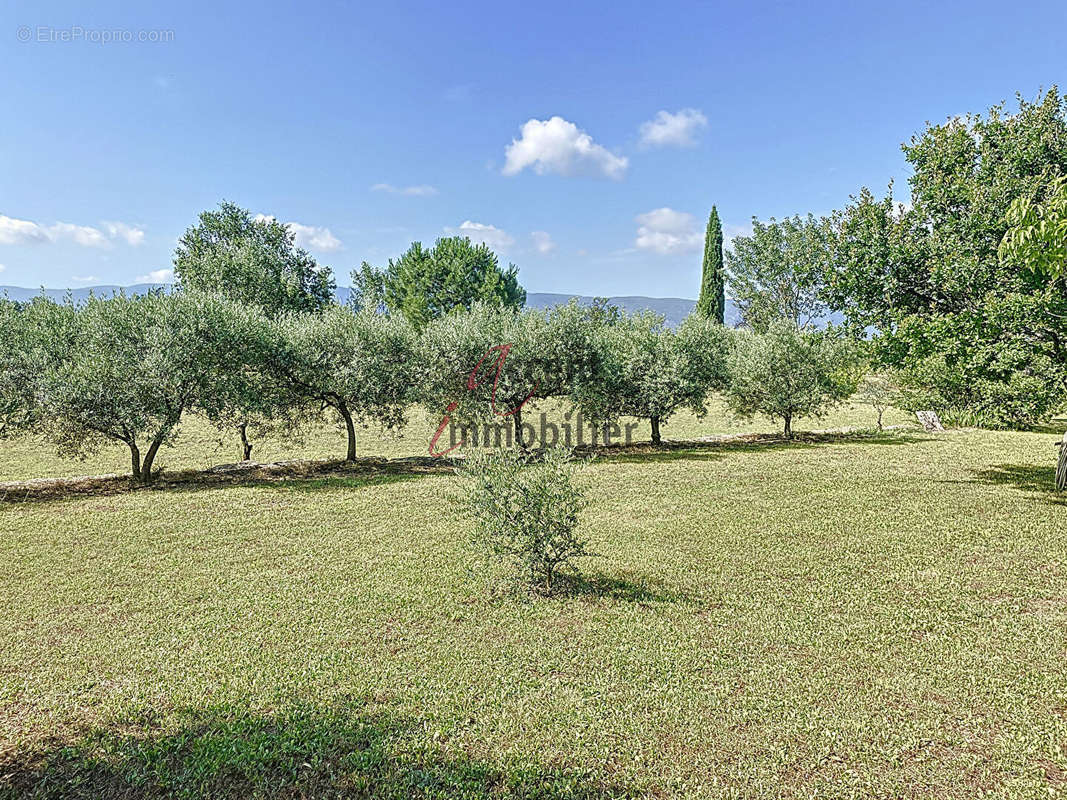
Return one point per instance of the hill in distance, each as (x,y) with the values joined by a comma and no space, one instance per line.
(672,309)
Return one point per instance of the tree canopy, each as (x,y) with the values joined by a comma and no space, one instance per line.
(424,284)
(971,333)
(251,260)
(778,271)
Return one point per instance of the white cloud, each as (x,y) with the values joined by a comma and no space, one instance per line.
(421,190)
(483,234)
(24,231)
(82,235)
(665,230)
(21,231)
(2,267)
(156,276)
(556,145)
(673,130)
(314,237)
(543,242)
(120,230)
(307,236)
(84,279)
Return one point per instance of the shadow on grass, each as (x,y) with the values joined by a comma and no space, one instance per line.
(716,449)
(300,475)
(322,475)
(607,587)
(347,750)
(1056,426)
(1029,478)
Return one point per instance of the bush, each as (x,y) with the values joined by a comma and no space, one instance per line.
(526,512)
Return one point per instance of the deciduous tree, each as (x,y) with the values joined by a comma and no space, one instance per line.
(778,271)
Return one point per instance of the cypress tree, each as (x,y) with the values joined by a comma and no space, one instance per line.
(712,302)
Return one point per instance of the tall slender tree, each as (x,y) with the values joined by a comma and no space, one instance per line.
(712,302)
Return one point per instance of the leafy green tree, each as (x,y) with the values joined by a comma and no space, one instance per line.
(252,260)
(33,336)
(516,358)
(359,364)
(972,334)
(778,271)
(1037,238)
(785,373)
(424,284)
(368,289)
(125,369)
(648,371)
(712,300)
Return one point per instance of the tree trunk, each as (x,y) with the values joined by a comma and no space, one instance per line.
(149,459)
(518,430)
(246,446)
(350,427)
(135,458)
(655,430)
(880,412)
(1061,469)
(789,426)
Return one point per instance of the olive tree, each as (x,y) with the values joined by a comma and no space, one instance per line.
(649,372)
(492,361)
(880,391)
(32,336)
(787,372)
(360,364)
(252,260)
(125,369)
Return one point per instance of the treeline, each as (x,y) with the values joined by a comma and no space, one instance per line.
(128,369)
(960,287)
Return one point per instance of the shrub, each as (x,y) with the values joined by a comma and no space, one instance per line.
(526,512)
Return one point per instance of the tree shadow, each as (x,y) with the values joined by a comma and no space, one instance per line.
(1056,426)
(716,449)
(302,475)
(350,749)
(312,475)
(1040,481)
(608,587)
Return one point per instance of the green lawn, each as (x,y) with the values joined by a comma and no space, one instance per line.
(844,616)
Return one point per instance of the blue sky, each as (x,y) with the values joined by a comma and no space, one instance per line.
(585,141)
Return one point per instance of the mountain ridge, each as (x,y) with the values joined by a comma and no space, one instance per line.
(672,309)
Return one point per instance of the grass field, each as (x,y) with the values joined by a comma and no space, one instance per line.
(843,616)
